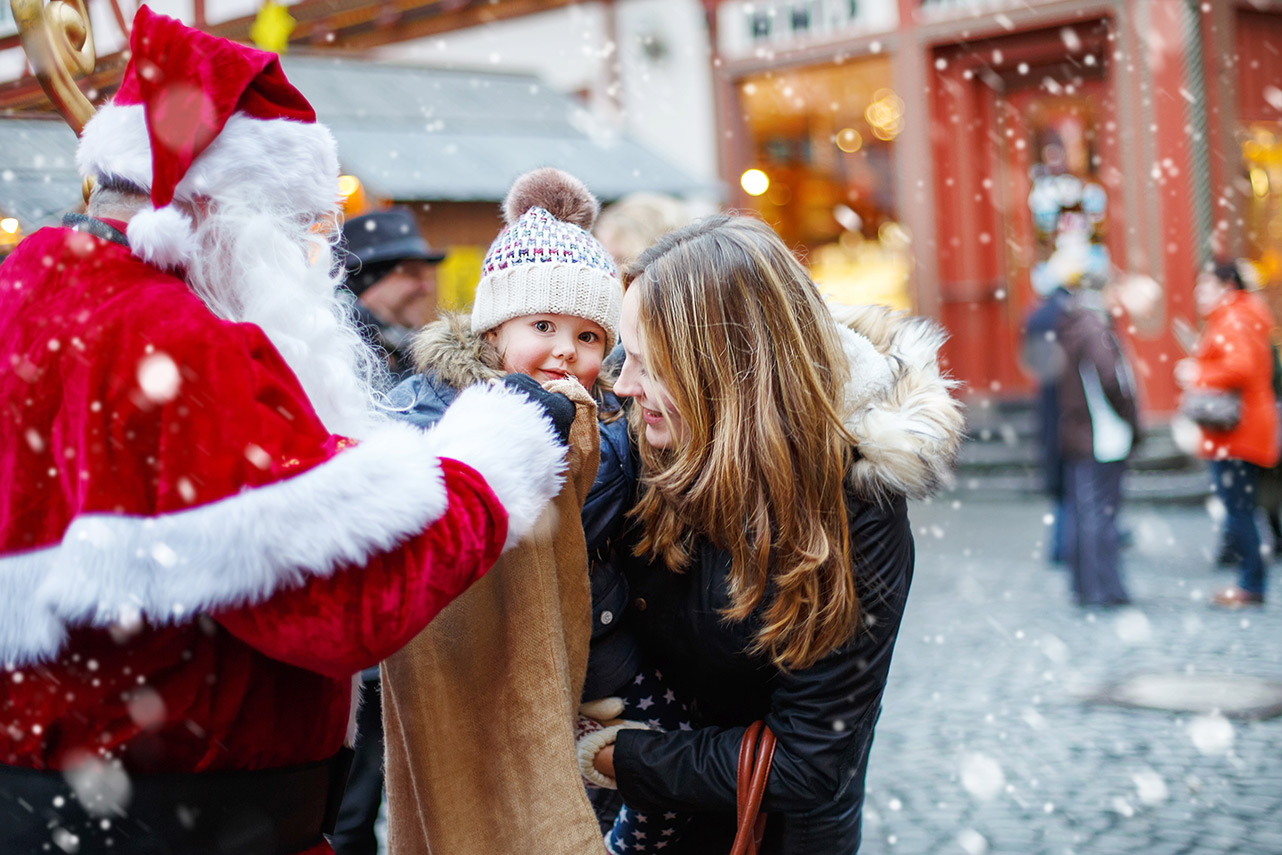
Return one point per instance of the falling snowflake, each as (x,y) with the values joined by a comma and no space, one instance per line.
(1150,787)
(158,378)
(1211,734)
(103,789)
(982,776)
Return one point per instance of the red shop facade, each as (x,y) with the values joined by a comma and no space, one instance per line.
(926,154)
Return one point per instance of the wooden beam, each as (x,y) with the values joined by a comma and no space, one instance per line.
(361,24)
(430,20)
(25,94)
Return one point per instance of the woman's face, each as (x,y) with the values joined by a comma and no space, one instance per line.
(664,427)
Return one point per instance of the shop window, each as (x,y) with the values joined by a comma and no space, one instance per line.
(822,173)
(1067,201)
(1262,164)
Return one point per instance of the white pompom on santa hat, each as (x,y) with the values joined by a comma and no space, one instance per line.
(199,116)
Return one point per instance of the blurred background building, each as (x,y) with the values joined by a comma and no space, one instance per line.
(921,153)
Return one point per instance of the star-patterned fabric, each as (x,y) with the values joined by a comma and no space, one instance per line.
(647,699)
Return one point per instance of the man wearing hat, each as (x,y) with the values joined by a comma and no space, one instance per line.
(206,528)
(392,273)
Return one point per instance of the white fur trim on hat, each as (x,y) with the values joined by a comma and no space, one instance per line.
(274,162)
(553,289)
(163,237)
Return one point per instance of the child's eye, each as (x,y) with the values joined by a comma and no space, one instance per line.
(543,326)
(588,336)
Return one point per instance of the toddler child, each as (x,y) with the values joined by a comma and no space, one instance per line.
(548,306)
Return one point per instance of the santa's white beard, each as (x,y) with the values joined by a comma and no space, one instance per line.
(270,269)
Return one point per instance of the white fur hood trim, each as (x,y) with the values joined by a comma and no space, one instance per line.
(113,570)
(899,406)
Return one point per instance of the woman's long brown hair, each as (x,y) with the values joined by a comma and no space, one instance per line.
(734,328)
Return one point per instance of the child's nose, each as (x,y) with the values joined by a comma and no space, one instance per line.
(564,348)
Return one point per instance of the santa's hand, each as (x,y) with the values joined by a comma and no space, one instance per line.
(559,408)
(510,438)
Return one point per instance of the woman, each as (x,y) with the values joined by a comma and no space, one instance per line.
(771,553)
(1233,354)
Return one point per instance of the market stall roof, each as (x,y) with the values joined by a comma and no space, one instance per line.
(38,179)
(408,133)
(415,133)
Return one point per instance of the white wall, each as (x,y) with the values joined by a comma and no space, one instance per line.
(664,101)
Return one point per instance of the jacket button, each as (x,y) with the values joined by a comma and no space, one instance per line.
(640,604)
(607,616)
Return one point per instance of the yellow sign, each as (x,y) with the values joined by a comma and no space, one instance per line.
(272,27)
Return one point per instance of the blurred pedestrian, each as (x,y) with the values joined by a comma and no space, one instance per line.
(206,528)
(1233,359)
(1099,428)
(391,271)
(1043,356)
(631,225)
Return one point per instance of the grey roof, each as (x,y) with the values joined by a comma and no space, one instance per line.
(417,133)
(38,179)
(408,133)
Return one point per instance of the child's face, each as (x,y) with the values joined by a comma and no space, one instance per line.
(551,347)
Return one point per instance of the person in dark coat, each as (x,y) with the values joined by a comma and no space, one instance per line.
(1098,430)
(391,271)
(1044,358)
(771,555)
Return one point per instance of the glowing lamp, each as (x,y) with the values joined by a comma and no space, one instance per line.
(754,182)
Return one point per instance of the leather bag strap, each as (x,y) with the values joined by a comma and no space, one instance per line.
(756,752)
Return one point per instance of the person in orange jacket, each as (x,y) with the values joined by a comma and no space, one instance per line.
(1233,354)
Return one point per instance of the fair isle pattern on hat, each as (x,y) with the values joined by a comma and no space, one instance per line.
(543,265)
(539,237)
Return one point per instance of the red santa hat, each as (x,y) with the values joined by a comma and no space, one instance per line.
(198,115)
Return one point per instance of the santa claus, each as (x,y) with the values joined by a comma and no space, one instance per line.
(206,528)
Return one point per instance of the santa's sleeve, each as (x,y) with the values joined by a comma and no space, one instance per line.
(220,492)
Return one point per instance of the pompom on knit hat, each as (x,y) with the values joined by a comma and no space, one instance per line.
(546,261)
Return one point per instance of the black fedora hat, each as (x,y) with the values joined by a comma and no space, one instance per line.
(385,236)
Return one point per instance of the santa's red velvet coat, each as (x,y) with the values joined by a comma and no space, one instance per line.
(191,566)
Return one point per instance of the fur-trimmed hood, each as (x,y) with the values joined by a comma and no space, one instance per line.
(899,406)
(458,357)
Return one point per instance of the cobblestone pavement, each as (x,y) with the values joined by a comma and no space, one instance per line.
(988,744)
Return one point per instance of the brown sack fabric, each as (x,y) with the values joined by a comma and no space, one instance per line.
(479,709)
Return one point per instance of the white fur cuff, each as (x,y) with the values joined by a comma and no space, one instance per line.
(507,438)
(589,745)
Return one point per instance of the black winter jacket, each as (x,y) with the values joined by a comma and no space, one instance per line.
(823,716)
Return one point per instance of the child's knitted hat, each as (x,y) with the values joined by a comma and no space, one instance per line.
(546,261)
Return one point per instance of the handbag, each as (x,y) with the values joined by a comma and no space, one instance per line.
(1213,409)
(755,753)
